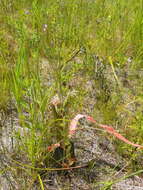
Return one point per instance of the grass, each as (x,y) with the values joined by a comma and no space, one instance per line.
(50,48)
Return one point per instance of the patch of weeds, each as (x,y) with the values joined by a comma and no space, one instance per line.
(69,35)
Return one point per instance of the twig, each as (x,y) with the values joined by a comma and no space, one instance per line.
(73,56)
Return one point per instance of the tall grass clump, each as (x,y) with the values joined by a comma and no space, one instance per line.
(47,51)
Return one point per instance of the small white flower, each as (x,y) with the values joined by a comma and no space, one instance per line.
(45,27)
(27,12)
(129,60)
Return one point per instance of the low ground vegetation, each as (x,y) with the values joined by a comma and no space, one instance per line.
(87,56)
